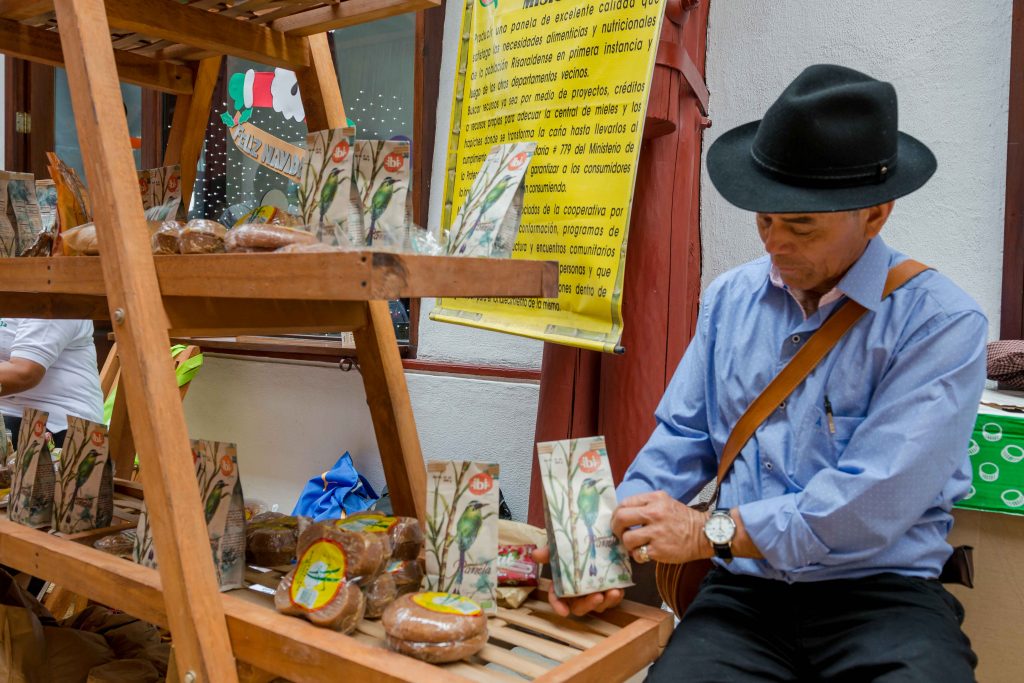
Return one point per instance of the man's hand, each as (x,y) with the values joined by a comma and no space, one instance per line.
(672,532)
(578,606)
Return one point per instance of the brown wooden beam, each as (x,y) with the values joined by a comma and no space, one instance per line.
(348,13)
(1011,317)
(41,46)
(170,20)
(208,317)
(24,9)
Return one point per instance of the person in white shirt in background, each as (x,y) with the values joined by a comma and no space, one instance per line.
(49,365)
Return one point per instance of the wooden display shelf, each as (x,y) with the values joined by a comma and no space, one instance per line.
(238,294)
(343,276)
(581,649)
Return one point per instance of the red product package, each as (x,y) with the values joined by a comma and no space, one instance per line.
(516,566)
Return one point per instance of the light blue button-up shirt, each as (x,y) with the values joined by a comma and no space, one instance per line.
(874,495)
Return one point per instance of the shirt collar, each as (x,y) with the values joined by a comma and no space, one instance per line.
(864,282)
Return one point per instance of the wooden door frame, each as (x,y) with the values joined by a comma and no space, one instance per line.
(1011,319)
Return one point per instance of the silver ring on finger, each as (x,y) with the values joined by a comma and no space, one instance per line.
(643,555)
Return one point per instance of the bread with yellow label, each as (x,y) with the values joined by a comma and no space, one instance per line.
(435,627)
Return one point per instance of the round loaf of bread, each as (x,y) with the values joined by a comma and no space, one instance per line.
(380,593)
(439,653)
(342,612)
(265,237)
(434,618)
(366,555)
(404,533)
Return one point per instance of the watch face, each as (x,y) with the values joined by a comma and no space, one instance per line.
(720,529)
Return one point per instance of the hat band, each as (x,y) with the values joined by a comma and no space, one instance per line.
(848,177)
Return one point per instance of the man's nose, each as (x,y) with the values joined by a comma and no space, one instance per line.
(775,240)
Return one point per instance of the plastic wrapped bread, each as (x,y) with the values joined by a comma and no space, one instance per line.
(435,627)
(380,593)
(201,236)
(166,239)
(317,590)
(407,575)
(405,533)
(366,555)
(271,538)
(264,237)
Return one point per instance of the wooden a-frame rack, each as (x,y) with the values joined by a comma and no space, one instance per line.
(177,48)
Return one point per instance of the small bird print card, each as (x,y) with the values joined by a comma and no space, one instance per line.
(462,530)
(382,181)
(220,494)
(32,481)
(487,223)
(326,194)
(84,498)
(579,499)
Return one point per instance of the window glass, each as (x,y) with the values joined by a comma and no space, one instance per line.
(65,134)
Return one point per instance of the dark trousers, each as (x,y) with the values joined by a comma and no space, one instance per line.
(886,627)
(14,424)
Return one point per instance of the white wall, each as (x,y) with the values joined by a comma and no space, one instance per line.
(949,61)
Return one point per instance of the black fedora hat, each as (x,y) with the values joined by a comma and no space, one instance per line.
(829,143)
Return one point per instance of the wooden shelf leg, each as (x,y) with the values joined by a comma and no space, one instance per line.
(388,397)
(195,611)
(188,127)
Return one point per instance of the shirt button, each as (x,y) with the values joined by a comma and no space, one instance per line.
(782,405)
(795,339)
(768,466)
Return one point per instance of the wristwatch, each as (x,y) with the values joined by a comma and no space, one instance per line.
(720,528)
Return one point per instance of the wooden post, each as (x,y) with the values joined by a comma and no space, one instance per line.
(381,365)
(188,127)
(196,614)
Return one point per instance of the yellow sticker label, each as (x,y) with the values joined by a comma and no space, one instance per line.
(319,575)
(447,603)
(376,524)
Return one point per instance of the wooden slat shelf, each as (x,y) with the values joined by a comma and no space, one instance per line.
(348,276)
(267,31)
(580,648)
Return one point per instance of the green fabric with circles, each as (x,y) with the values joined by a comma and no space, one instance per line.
(997,461)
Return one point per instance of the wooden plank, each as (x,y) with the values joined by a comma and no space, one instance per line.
(577,639)
(42,46)
(613,659)
(1011,314)
(342,276)
(197,623)
(480,673)
(288,647)
(62,307)
(200,316)
(541,646)
(521,665)
(110,371)
(188,127)
(388,399)
(348,13)
(19,10)
(596,625)
(318,86)
(170,20)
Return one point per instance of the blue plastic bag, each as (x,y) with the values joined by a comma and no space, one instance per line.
(337,492)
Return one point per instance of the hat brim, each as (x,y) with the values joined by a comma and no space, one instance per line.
(742,183)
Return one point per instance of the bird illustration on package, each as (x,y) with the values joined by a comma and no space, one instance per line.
(379,204)
(490,199)
(589,501)
(328,192)
(466,531)
(213,500)
(84,471)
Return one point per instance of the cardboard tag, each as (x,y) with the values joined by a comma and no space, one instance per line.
(462,530)
(579,499)
(84,496)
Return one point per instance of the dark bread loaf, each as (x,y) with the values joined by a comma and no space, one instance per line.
(366,555)
(340,609)
(439,653)
(405,533)
(434,618)
(265,237)
(380,593)
(271,538)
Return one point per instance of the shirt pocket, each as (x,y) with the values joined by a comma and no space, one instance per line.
(823,442)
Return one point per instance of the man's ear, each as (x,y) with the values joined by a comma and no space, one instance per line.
(876,216)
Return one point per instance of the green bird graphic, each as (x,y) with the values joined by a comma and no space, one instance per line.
(84,471)
(213,500)
(379,204)
(328,192)
(588,501)
(490,199)
(466,530)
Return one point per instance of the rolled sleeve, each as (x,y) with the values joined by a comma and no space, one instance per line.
(780,532)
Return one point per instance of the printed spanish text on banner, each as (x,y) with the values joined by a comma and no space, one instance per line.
(573,77)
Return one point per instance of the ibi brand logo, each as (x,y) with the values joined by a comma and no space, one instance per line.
(480,483)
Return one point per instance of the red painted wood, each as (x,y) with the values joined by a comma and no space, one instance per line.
(1011,317)
(584,393)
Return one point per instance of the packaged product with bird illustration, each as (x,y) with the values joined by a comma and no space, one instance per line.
(20,219)
(326,194)
(579,498)
(84,498)
(487,223)
(382,175)
(33,479)
(462,530)
(220,490)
